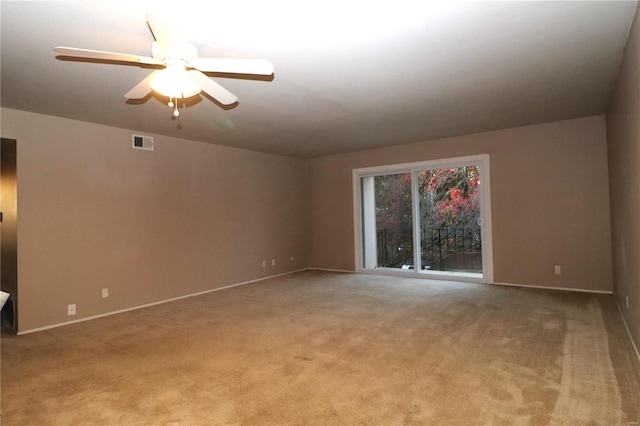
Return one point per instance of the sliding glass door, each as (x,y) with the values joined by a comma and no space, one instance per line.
(391,211)
(449,213)
(428,218)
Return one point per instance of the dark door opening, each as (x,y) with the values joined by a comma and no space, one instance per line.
(9,232)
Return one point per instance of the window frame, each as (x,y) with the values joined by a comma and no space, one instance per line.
(481,161)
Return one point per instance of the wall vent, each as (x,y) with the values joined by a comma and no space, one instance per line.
(142,142)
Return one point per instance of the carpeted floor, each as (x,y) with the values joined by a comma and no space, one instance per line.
(333,349)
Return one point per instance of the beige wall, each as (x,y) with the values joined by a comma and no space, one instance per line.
(623,133)
(550,201)
(189,217)
(93,213)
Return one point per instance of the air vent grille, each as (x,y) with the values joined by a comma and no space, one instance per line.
(142,142)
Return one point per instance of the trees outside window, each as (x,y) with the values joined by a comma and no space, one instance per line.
(450,232)
(429,218)
(449,197)
(449,212)
(394,220)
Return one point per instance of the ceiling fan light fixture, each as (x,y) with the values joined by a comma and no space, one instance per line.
(175,82)
(183,74)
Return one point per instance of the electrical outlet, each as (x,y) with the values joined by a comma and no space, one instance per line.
(557,269)
(71,309)
(293,259)
(273,262)
(105,293)
(264,263)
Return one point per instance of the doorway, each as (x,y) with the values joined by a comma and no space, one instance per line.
(9,231)
(429,218)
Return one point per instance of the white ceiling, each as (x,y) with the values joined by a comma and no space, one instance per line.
(349,75)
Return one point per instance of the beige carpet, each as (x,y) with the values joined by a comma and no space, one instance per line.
(333,349)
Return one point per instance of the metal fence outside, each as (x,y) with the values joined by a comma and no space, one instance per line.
(442,249)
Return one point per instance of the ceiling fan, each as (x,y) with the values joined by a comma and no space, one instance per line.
(182,74)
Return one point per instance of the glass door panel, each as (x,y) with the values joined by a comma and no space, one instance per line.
(450,219)
(393,221)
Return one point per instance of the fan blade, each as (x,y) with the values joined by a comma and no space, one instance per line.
(165,33)
(142,89)
(107,56)
(235,66)
(212,88)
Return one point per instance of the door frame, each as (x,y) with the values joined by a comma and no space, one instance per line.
(482,161)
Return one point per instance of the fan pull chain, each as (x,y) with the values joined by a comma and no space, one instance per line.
(171,104)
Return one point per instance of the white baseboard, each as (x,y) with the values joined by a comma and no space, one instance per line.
(633,343)
(331,270)
(579,290)
(48,327)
